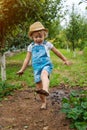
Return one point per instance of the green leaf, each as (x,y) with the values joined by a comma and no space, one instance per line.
(72,126)
(66,105)
(84,105)
(74,93)
(65,100)
(85,116)
(65,110)
(74,113)
(81,125)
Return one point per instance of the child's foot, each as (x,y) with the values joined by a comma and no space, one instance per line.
(44,106)
(43,92)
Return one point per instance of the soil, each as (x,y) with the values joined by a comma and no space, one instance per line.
(21,111)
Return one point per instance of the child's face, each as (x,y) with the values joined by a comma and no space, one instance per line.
(38,36)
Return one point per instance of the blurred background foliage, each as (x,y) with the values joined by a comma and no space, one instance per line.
(17,15)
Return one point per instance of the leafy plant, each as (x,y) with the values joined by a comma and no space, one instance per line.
(75,109)
(6,89)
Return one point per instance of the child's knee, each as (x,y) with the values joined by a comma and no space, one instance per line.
(44,74)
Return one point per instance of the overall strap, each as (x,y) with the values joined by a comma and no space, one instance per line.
(32,43)
(44,42)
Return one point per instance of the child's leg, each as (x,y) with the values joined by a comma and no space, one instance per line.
(45,80)
(42,97)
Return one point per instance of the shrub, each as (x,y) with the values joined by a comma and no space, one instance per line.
(75,109)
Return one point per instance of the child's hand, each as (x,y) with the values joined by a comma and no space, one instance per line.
(20,73)
(67,62)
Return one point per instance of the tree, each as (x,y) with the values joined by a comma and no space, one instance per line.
(76,31)
(72,29)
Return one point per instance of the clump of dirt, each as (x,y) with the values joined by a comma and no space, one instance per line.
(21,111)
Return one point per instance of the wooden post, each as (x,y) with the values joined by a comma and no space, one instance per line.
(3,66)
(2,47)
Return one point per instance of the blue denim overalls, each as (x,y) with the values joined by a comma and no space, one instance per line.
(40,60)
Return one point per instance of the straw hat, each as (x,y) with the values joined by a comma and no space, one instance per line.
(37,26)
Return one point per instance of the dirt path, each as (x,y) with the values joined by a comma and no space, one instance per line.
(21,111)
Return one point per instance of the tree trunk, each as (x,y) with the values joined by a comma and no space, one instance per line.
(3,67)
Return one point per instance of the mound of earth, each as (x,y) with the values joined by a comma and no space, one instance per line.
(21,111)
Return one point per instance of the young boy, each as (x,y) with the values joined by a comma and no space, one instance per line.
(38,50)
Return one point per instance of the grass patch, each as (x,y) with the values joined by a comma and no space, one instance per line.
(7,89)
(73,75)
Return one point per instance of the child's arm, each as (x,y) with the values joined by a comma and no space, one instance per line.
(24,66)
(60,55)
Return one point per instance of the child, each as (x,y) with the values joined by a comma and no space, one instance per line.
(41,62)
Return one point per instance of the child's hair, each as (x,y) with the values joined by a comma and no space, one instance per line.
(37,26)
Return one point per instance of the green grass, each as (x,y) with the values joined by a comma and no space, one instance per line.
(73,75)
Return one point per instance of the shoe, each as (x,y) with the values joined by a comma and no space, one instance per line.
(43,92)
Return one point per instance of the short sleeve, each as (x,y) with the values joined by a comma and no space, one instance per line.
(29,48)
(49,45)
